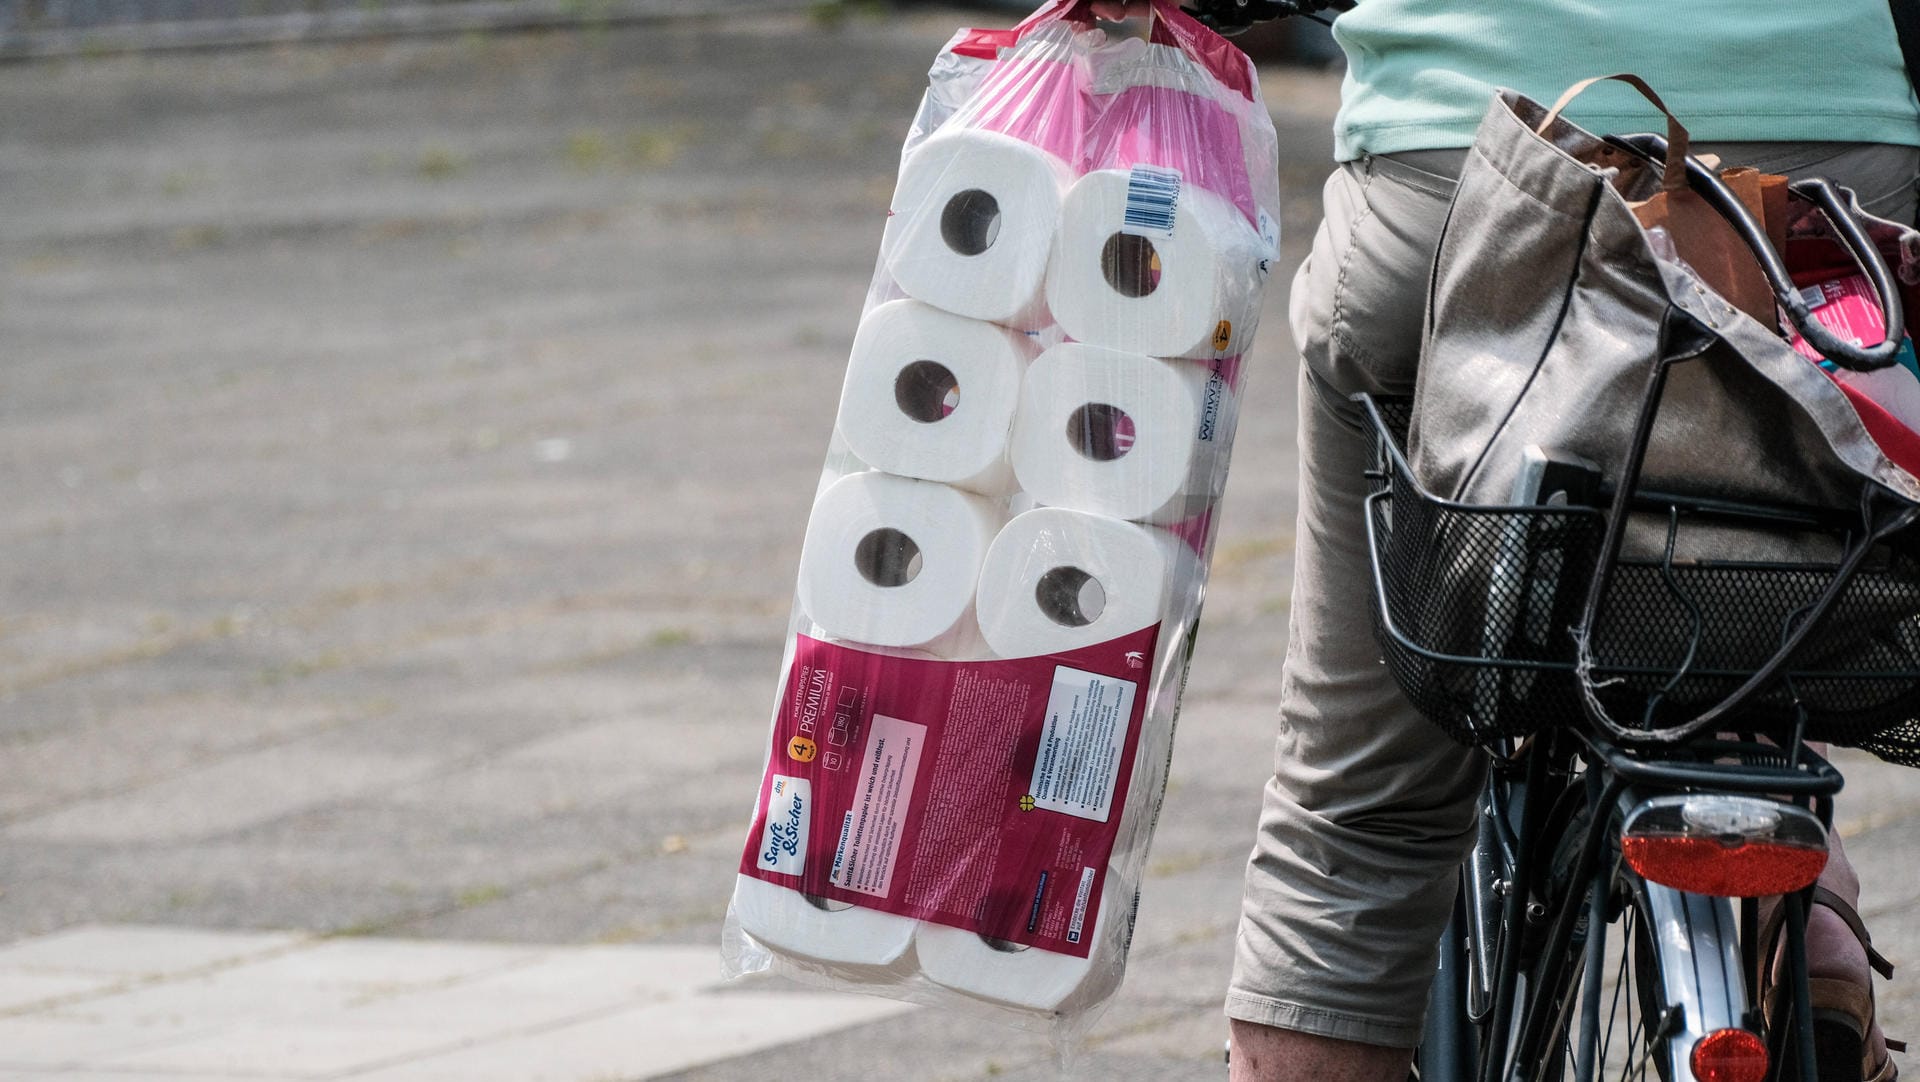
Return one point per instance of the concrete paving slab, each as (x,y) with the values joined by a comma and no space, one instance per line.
(139,952)
(558,987)
(21,988)
(190,1006)
(1124,1066)
(649,1041)
(63,1075)
(384,983)
(236,793)
(94,757)
(52,1043)
(656,971)
(368,966)
(313,1050)
(586,765)
(942,1046)
(311,980)
(313,1008)
(925,1045)
(675,893)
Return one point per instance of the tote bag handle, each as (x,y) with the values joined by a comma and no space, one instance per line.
(1703,181)
(1676,132)
(1847,231)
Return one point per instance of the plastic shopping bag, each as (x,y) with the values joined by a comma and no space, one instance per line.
(1004,563)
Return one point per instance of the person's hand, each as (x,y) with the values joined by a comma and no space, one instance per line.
(1115,10)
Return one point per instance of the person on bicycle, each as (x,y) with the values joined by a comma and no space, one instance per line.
(1370,809)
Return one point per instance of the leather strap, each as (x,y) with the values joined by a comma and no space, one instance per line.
(1823,896)
(1832,991)
(1678,141)
(1773,920)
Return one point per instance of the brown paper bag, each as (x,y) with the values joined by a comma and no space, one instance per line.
(1765,197)
(1710,246)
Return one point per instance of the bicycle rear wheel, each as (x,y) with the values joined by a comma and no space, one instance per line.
(1649,972)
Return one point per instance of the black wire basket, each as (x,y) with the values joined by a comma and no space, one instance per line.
(1476,606)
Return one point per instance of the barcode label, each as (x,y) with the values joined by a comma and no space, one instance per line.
(1080,898)
(1153,195)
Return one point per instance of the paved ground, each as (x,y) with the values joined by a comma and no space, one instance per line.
(162,1003)
(405,450)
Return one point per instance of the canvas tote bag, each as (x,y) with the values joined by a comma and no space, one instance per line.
(1552,323)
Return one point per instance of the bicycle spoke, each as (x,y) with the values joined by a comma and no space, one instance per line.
(1563,1020)
(1621,1038)
(1625,1022)
(1622,985)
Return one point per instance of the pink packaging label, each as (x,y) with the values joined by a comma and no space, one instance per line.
(1160,126)
(985,795)
(1845,306)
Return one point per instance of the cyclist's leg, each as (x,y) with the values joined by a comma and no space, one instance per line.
(1370,809)
(1266,1052)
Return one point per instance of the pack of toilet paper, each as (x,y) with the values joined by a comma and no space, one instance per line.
(1005,559)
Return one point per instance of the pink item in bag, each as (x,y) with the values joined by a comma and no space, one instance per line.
(1038,94)
(1172,129)
(1845,306)
(1886,400)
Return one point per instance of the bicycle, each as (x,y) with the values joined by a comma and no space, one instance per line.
(1638,848)
(1520,988)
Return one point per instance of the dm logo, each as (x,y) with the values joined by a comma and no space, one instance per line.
(783,844)
(802,750)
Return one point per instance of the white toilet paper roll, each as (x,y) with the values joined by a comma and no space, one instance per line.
(1056,579)
(1121,434)
(973,223)
(963,643)
(812,930)
(931,395)
(1026,977)
(1192,293)
(892,561)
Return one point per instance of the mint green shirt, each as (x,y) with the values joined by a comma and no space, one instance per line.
(1420,72)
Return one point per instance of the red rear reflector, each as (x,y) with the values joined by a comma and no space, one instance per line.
(1707,865)
(1729,1055)
(1724,845)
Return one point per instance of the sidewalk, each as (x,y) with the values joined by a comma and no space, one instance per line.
(130,1002)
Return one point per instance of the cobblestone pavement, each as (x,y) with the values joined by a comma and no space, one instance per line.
(405,450)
